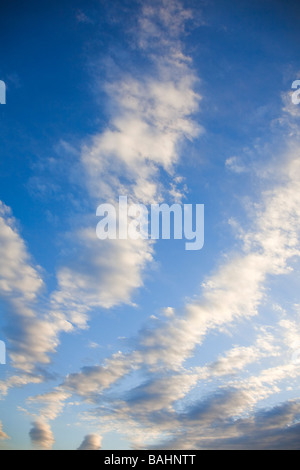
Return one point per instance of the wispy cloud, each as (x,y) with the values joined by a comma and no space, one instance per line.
(3,436)
(234,293)
(162,401)
(31,335)
(152,115)
(53,403)
(17,275)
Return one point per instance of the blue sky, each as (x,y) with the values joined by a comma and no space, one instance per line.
(132,344)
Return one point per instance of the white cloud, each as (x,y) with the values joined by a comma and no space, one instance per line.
(19,381)
(233,293)
(91,442)
(53,402)
(17,275)
(104,274)
(161,23)
(41,435)
(92,380)
(31,335)
(168,312)
(3,435)
(236,165)
(152,117)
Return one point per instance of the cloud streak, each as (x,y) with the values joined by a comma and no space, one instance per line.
(234,293)
(32,336)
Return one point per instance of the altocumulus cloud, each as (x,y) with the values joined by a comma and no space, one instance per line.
(233,293)
(151,116)
(91,442)
(211,425)
(41,435)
